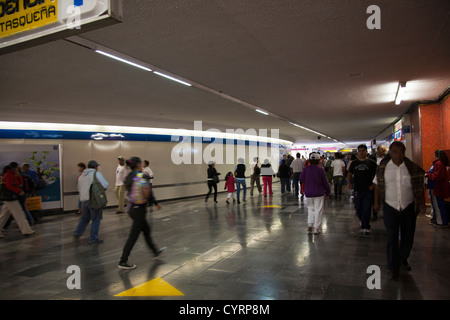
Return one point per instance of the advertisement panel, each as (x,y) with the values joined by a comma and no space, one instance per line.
(45,161)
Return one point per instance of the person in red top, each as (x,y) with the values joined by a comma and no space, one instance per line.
(229,186)
(441,191)
(13,181)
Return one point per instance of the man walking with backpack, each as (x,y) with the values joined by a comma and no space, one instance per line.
(88,211)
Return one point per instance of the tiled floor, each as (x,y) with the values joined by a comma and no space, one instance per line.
(253,251)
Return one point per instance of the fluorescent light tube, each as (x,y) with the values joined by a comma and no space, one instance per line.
(122,60)
(304,128)
(171,78)
(263,112)
(400,92)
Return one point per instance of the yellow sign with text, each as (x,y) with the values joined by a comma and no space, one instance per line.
(21,15)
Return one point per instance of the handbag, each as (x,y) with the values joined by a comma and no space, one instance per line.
(6,194)
(33,203)
(216,179)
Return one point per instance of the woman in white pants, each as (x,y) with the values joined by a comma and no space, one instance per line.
(12,181)
(316,190)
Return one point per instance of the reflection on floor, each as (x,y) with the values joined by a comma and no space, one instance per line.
(258,250)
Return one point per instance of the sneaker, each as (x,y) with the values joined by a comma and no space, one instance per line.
(365,231)
(310,230)
(126,266)
(120,212)
(317,231)
(159,252)
(227,202)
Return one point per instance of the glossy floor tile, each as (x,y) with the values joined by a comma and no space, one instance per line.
(257,250)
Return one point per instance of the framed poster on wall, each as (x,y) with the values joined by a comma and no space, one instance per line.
(45,163)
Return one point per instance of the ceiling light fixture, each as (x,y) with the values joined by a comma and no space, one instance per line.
(123,60)
(400,92)
(304,128)
(262,111)
(320,134)
(172,78)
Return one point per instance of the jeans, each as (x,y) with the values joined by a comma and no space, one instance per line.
(239,183)
(285,185)
(22,200)
(439,211)
(296,183)
(255,179)
(363,206)
(140,224)
(89,214)
(403,224)
(337,181)
(211,185)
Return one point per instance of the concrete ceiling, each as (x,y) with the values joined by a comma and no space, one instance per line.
(311,62)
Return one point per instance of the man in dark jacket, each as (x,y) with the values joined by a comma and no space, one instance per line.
(399,187)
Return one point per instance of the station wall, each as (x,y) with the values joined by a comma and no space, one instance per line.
(172,181)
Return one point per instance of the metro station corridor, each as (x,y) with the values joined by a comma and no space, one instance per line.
(258,250)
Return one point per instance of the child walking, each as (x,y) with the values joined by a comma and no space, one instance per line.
(229,186)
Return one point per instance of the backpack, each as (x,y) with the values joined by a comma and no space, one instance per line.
(28,184)
(140,190)
(97,195)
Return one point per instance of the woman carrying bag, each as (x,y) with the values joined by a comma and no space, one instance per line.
(213,179)
(11,191)
(139,195)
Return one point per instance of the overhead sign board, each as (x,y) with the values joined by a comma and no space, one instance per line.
(398,126)
(25,23)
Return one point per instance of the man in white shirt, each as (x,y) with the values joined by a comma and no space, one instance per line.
(400,188)
(297,168)
(119,190)
(148,171)
(379,155)
(338,169)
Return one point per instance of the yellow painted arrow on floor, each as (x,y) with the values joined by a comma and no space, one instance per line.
(272,206)
(153,288)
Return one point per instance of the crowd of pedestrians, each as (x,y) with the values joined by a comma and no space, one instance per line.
(386,181)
